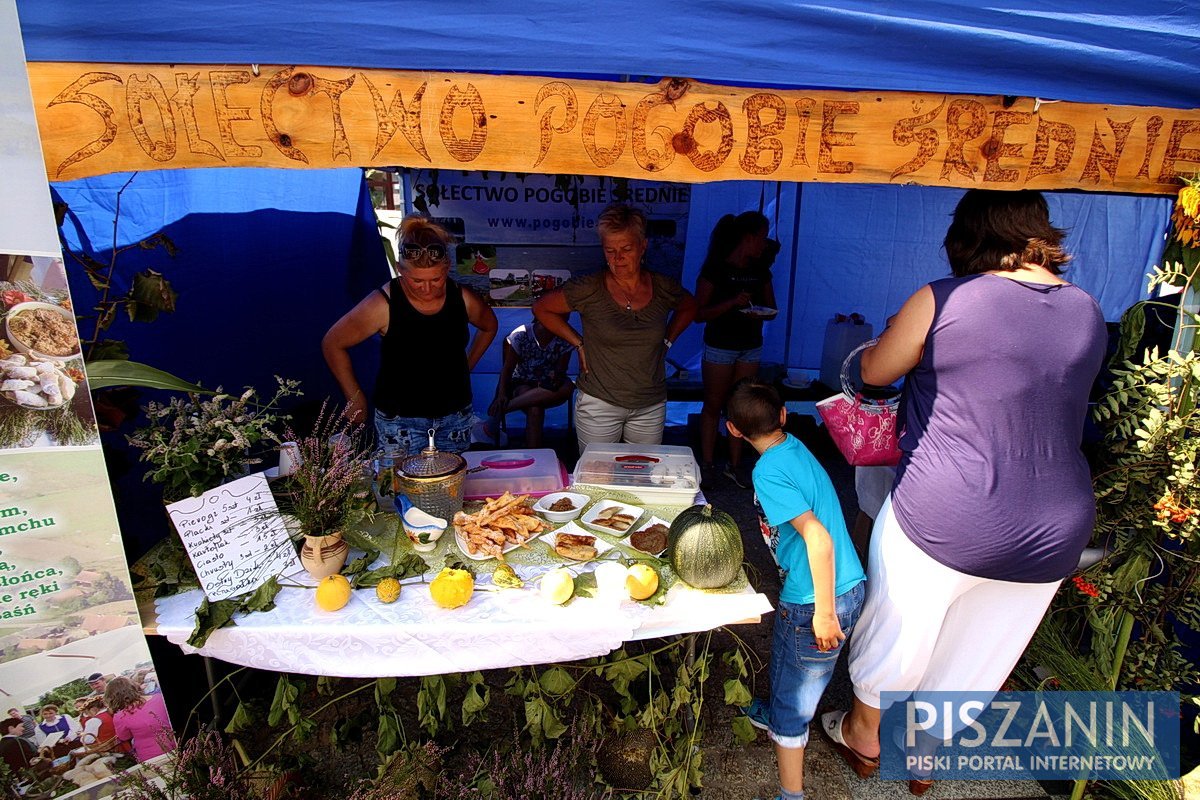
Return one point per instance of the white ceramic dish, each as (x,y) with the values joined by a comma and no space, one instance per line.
(26,349)
(461,541)
(646,524)
(601,546)
(542,506)
(423,529)
(761,312)
(593,513)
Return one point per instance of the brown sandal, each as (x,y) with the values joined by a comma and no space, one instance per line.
(863,766)
(919,786)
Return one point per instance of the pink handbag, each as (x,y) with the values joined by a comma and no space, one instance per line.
(864,430)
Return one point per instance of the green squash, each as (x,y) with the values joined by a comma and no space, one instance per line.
(704,547)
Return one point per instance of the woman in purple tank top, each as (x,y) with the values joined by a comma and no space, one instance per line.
(992,503)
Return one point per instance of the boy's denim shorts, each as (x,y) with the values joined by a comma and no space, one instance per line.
(410,435)
(799,671)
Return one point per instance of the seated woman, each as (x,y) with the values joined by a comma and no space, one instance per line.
(532,379)
(139,719)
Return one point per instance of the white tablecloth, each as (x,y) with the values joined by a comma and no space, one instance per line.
(413,636)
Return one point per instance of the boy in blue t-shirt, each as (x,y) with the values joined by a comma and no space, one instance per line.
(823,579)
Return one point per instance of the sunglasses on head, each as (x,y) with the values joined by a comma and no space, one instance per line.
(413,251)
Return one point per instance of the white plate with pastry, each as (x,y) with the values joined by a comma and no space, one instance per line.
(612,517)
(573,543)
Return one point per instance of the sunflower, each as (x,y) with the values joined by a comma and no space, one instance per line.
(1185,217)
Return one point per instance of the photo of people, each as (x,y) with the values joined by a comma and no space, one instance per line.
(44,399)
(82,713)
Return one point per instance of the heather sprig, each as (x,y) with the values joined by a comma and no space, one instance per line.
(563,771)
(204,767)
(329,490)
(196,443)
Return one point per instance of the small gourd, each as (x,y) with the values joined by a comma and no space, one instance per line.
(705,548)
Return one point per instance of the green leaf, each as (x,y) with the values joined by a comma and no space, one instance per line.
(551,725)
(585,585)
(284,701)
(240,721)
(371,577)
(150,294)
(476,699)
(262,598)
(114,372)
(556,682)
(304,726)
(743,731)
(736,693)
(360,564)
(431,703)
(387,735)
(541,721)
(383,690)
(211,616)
(736,661)
(535,707)
(621,673)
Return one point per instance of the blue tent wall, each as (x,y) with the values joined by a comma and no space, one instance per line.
(1102,51)
(867,248)
(267,261)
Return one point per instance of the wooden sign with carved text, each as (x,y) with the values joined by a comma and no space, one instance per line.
(99,118)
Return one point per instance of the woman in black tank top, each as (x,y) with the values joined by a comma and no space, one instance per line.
(427,352)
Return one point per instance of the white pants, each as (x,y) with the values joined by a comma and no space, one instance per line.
(600,421)
(927,627)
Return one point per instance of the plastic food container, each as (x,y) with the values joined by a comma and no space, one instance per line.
(491,473)
(655,474)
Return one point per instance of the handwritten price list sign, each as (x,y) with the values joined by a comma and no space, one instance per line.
(234,536)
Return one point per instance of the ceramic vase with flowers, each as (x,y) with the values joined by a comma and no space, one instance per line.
(328,492)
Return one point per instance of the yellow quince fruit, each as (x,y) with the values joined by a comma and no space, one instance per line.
(333,592)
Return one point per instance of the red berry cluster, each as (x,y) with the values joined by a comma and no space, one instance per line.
(1169,508)
(1085,586)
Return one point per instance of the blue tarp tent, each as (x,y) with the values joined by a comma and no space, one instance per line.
(294,249)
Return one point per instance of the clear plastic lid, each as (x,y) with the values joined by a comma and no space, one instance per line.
(493,472)
(432,463)
(638,466)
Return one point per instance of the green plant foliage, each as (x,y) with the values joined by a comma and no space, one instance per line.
(1119,625)
(105,374)
(194,444)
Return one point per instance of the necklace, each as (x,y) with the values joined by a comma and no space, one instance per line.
(778,440)
(625,294)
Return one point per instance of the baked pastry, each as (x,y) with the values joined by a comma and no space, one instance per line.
(575,546)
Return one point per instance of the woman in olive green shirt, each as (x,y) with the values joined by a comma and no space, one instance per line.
(630,318)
